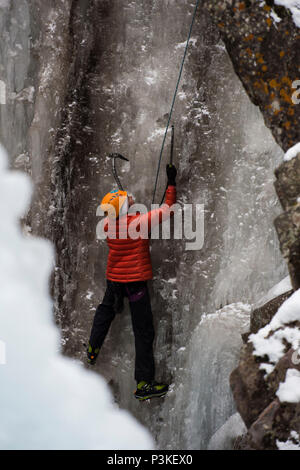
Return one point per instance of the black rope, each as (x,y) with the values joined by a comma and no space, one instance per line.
(174,99)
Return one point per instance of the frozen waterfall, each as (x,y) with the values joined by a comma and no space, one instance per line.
(87,78)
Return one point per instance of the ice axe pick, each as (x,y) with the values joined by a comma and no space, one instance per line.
(114,156)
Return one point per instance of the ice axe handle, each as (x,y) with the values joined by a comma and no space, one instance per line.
(172,145)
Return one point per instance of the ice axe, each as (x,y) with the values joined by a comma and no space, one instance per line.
(114,156)
(172,145)
(171,158)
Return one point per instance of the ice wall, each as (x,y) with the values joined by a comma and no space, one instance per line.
(16,107)
(45,399)
(104,74)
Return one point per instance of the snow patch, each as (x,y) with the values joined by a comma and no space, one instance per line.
(273,345)
(155,134)
(275,17)
(181,45)
(293,443)
(289,390)
(294,7)
(292,152)
(151,77)
(268,368)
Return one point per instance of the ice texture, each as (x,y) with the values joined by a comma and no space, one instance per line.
(99,78)
(224,437)
(46,401)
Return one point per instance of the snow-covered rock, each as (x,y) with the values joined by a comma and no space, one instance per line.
(294,7)
(293,443)
(293,151)
(266,384)
(271,340)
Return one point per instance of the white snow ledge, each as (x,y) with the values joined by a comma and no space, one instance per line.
(292,152)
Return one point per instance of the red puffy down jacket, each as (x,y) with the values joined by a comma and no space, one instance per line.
(129,258)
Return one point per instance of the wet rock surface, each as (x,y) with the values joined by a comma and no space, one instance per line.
(261,316)
(248,387)
(288,224)
(263,43)
(287,182)
(268,420)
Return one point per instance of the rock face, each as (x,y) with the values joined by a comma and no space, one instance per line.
(288,223)
(261,316)
(263,43)
(248,387)
(267,420)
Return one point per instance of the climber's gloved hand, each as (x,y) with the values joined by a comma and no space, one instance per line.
(171,174)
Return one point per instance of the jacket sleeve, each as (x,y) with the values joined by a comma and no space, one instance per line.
(157,216)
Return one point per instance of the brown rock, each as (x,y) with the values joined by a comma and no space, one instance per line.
(274,424)
(261,316)
(261,431)
(288,230)
(249,387)
(265,55)
(287,184)
(279,373)
(286,419)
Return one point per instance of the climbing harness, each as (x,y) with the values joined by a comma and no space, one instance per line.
(174,99)
(114,156)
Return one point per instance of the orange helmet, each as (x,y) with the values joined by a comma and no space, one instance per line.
(113,202)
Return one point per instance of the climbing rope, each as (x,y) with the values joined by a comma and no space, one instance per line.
(174,99)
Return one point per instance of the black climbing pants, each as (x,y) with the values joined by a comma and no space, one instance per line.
(142,323)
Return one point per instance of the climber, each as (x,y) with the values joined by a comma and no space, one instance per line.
(128,270)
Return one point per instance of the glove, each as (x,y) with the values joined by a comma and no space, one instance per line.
(171,173)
